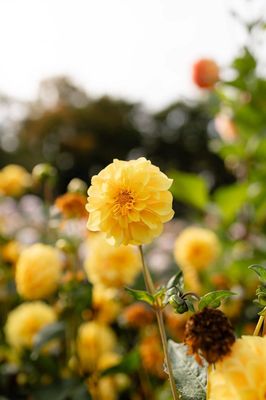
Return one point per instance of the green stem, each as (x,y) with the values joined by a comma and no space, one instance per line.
(159,315)
(258,326)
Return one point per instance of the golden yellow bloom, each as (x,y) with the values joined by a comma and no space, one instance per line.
(129,201)
(72,205)
(38,271)
(112,266)
(25,321)
(151,354)
(11,251)
(14,180)
(105,304)
(196,247)
(93,341)
(242,374)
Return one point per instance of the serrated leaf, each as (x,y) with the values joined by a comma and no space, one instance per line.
(213,299)
(190,377)
(186,185)
(141,295)
(260,271)
(49,332)
(176,281)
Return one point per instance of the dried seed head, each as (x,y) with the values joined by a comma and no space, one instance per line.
(209,333)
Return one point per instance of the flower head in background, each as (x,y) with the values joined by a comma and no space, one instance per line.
(196,247)
(14,180)
(226,127)
(72,205)
(112,266)
(25,321)
(105,304)
(38,271)
(241,374)
(94,340)
(205,73)
(129,201)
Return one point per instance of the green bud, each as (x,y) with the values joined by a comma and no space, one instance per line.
(77,185)
(43,172)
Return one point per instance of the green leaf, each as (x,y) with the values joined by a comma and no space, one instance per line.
(230,199)
(49,332)
(141,295)
(129,364)
(213,299)
(190,377)
(189,188)
(245,63)
(176,281)
(260,271)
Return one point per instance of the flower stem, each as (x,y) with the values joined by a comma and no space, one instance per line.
(159,315)
(258,326)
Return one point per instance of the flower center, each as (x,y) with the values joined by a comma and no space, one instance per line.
(124,201)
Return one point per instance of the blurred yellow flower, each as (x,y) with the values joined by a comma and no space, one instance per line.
(105,304)
(93,341)
(129,201)
(11,251)
(196,247)
(242,374)
(112,266)
(25,321)
(14,180)
(38,271)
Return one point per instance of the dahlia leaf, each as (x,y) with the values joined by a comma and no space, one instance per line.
(185,186)
(213,299)
(260,271)
(190,377)
(48,333)
(176,281)
(141,295)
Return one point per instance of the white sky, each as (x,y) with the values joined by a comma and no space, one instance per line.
(139,49)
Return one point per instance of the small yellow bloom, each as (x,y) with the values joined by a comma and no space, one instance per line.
(11,251)
(14,180)
(93,341)
(25,321)
(72,205)
(242,374)
(129,201)
(112,266)
(38,271)
(105,304)
(196,247)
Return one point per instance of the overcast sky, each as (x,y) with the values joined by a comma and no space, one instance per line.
(139,49)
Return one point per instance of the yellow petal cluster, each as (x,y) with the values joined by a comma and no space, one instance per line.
(105,304)
(242,374)
(11,251)
(196,247)
(25,321)
(94,340)
(112,266)
(129,201)
(14,180)
(38,271)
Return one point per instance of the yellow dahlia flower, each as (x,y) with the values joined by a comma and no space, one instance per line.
(196,247)
(38,271)
(25,321)
(129,201)
(14,180)
(112,266)
(11,251)
(242,374)
(93,341)
(105,303)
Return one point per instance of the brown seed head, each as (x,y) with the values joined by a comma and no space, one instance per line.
(209,333)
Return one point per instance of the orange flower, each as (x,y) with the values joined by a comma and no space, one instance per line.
(205,73)
(72,205)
